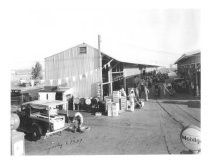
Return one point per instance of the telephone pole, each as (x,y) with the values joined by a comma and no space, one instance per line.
(100,65)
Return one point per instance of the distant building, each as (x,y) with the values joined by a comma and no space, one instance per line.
(17,75)
(189,67)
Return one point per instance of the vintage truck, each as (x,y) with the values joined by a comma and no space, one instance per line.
(38,118)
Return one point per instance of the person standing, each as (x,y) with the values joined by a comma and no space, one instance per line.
(136,86)
(132,100)
(123,93)
(146,91)
(149,83)
(142,87)
(164,88)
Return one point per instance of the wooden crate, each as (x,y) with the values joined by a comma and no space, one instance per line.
(115,106)
(109,109)
(123,103)
(116,96)
(115,113)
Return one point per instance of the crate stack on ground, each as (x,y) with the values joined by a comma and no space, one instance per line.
(108,105)
(115,109)
(123,103)
(116,96)
(98,90)
(109,109)
(116,99)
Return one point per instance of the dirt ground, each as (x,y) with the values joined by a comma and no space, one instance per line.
(155,129)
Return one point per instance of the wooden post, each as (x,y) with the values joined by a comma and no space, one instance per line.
(124,78)
(100,65)
(110,79)
(196,83)
(124,83)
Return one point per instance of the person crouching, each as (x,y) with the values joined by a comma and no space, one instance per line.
(78,119)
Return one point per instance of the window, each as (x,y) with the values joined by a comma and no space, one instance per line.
(82,50)
(47,97)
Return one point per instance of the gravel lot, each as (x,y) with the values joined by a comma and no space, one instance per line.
(152,130)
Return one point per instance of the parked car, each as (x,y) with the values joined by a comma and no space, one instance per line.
(38,118)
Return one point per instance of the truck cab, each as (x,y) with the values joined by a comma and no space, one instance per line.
(39,118)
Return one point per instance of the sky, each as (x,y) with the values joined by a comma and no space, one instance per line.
(41,31)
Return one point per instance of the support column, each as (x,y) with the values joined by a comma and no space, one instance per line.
(196,83)
(110,79)
(124,83)
(124,78)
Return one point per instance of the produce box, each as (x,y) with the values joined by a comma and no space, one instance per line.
(116,96)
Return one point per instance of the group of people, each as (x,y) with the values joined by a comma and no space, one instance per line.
(147,84)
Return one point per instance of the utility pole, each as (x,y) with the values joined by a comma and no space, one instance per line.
(100,65)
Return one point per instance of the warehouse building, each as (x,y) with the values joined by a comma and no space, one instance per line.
(91,73)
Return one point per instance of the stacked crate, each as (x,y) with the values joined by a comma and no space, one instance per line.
(123,103)
(109,109)
(115,109)
(108,100)
(98,90)
(116,96)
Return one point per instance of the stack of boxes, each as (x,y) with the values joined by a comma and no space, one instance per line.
(116,96)
(108,102)
(115,103)
(123,103)
(98,90)
(109,107)
(115,109)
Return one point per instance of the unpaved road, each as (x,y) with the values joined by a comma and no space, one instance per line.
(152,130)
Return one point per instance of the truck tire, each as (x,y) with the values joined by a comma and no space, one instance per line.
(36,133)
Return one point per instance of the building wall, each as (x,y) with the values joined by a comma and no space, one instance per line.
(131,70)
(191,60)
(70,63)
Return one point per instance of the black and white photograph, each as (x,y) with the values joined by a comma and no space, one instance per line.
(89,80)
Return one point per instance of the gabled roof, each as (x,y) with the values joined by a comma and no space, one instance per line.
(188,55)
(134,55)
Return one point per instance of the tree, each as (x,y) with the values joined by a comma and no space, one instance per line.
(37,71)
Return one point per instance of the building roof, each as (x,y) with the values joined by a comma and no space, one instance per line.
(135,55)
(188,55)
(55,89)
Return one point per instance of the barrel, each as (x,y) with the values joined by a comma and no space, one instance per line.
(76,100)
(88,101)
(15,121)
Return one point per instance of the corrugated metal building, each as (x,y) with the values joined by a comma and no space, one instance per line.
(82,68)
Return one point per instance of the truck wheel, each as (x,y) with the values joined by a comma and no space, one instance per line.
(36,133)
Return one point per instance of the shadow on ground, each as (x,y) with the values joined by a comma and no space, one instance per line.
(190,104)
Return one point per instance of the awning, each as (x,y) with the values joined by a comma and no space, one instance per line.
(132,54)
